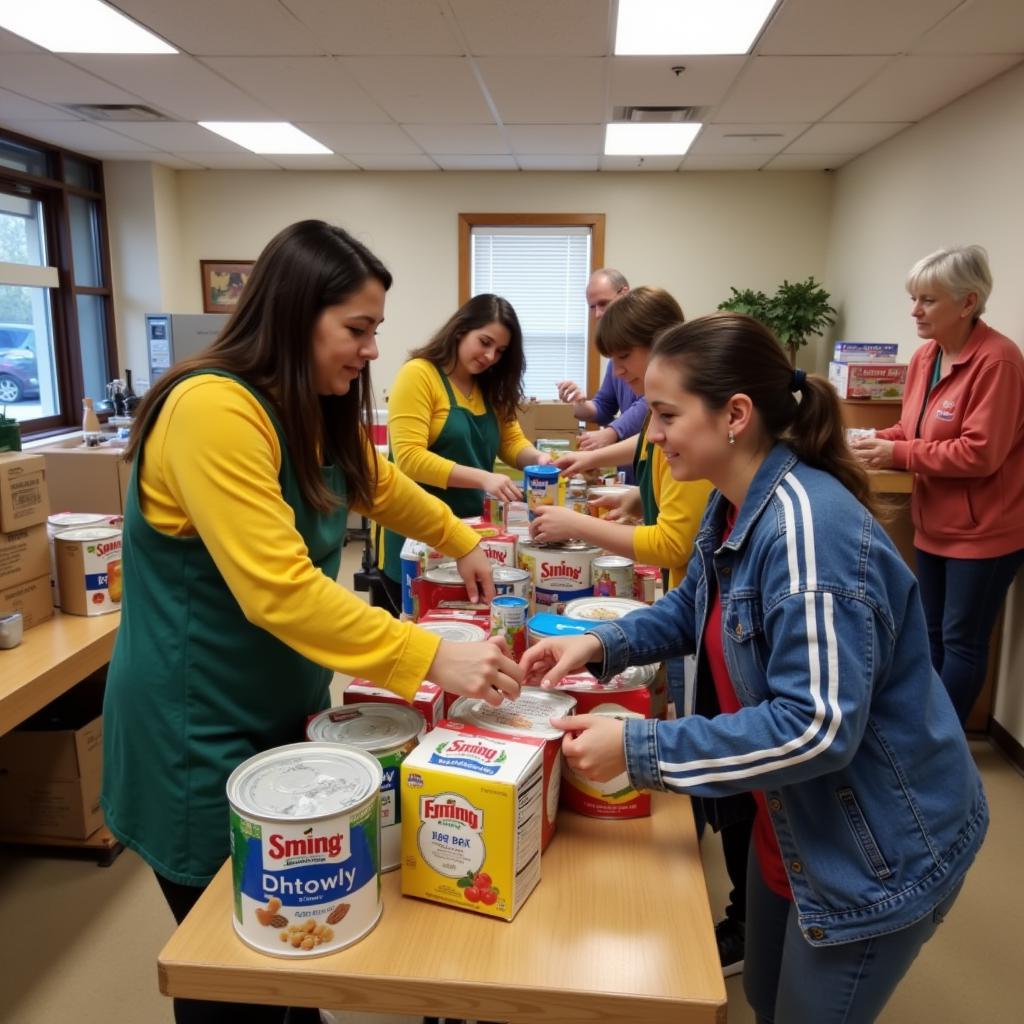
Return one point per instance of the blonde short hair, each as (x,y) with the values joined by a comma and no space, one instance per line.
(959,270)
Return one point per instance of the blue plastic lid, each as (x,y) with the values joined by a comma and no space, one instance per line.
(546,624)
(548,471)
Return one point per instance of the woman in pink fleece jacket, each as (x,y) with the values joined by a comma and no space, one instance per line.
(961,433)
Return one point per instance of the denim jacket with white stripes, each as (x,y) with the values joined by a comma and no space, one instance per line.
(874,797)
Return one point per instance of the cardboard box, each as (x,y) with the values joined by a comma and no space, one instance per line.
(548,419)
(865,352)
(50,768)
(32,599)
(868,380)
(23,492)
(84,479)
(21,555)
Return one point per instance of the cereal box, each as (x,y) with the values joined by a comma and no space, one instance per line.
(471,820)
(868,380)
(865,352)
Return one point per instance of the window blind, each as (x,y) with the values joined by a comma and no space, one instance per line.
(543,272)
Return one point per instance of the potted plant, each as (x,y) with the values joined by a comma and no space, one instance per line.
(10,433)
(794,313)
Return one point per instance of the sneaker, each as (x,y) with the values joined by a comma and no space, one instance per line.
(731,938)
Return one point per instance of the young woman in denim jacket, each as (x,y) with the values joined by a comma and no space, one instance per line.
(809,625)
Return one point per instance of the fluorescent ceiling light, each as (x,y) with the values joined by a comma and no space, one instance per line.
(266,136)
(649,139)
(686,27)
(78,26)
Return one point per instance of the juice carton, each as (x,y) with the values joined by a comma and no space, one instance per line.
(471,820)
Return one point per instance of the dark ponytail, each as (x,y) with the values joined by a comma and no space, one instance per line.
(725,354)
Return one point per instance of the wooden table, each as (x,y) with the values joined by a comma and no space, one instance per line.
(51,659)
(619,929)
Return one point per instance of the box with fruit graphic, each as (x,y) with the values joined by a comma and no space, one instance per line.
(471,820)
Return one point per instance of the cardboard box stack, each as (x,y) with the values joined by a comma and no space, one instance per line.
(548,420)
(867,370)
(82,479)
(24,552)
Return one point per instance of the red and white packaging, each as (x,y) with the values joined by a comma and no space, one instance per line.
(640,690)
(474,614)
(429,699)
(500,549)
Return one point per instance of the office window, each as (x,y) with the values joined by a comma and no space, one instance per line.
(57,340)
(540,263)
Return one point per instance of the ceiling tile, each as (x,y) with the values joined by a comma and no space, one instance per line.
(225,26)
(558,162)
(556,138)
(650,81)
(300,88)
(807,162)
(845,27)
(84,136)
(724,162)
(164,159)
(741,139)
(573,28)
(379,139)
(240,161)
(795,88)
(458,138)
(914,87)
(830,137)
(178,85)
(394,162)
(18,108)
(985,26)
(49,79)
(173,136)
(358,27)
(640,163)
(484,162)
(10,43)
(422,90)
(546,90)
(313,162)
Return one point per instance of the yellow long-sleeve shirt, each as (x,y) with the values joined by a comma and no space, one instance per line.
(669,542)
(418,409)
(210,467)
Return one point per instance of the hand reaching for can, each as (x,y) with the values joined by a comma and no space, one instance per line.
(554,523)
(479,670)
(594,745)
(570,391)
(551,660)
(502,487)
(476,573)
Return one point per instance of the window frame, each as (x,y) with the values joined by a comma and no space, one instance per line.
(53,192)
(594,221)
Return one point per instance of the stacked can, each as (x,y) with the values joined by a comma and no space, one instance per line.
(541,486)
(612,576)
(508,620)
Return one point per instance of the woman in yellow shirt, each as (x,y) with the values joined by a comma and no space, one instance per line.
(452,411)
(246,459)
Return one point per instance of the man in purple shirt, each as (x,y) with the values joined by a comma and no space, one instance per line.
(616,406)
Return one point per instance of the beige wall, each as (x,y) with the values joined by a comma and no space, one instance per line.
(952,178)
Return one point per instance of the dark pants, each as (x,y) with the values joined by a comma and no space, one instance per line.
(962,598)
(735,851)
(181,899)
(789,981)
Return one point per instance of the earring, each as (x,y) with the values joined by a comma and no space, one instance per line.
(732,437)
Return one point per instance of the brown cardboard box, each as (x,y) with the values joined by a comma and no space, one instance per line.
(23,501)
(32,599)
(24,555)
(548,419)
(84,479)
(50,768)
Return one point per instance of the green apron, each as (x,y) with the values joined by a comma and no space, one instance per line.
(644,474)
(194,689)
(466,439)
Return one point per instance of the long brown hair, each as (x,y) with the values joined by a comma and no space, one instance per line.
(726,354)
(635,320)
(268,343)
(502,382)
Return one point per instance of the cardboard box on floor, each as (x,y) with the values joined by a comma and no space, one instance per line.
(50,767)
(84,479)
(31,598)
(23,501)
(548,419)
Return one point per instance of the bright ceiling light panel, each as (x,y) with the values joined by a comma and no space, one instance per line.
(78,26)
(266,136)
(649,139)
(687,27)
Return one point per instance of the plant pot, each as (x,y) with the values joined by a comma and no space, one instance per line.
(10,437)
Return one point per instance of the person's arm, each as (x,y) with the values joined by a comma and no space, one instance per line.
(606,402)
(514,448)
(613,455)
(631,422)
(571,393)
(414,403)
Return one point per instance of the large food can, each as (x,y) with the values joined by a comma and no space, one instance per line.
(305,848)
(388,732)
(617,798)
(527,716)
(89,570)
(612,576)
(602,609)
(646,580)
(561,572)
(635,691)
(455,632)
(513,581)
(440,584)
(541,486)
(545,626)
(61,521)
(508,620)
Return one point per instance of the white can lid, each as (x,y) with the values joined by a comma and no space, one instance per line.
(456,632)
(601,609)
(529,713)
(376,728)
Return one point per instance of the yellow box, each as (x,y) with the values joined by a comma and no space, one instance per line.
(471,820)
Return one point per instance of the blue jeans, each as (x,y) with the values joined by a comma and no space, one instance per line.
(789,981)
(962,598)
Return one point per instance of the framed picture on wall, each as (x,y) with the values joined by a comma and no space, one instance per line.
(223,281)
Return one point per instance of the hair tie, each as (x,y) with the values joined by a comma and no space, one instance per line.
(797,382)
